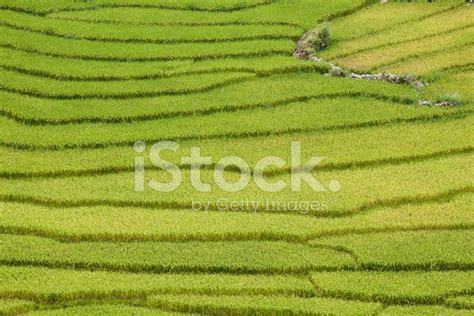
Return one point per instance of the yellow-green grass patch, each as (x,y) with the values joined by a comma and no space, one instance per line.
(163,257)
(49,6)
(259,305)
(106,32)
(53,285)
(456,86)
(261,93)
(432,63)
(127,224)
(396,310)
(424,30)
(463,301)
(312,116)
(386,56)
(303,13)
(394,287)
(82,70)
(383,17)
(360,190)
(87,50)
(56,89)
(444,249)
(118,309)
(384,145)
(15,306)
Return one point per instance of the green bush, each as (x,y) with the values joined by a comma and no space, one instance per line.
(322,39)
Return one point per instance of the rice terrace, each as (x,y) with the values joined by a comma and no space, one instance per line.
(236,157)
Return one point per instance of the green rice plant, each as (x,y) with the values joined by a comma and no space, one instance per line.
(128,223)
(398,53)
(15,307)
(380,18)
(76,69)
(163,257)
(439,27)
(81,70)
(259,305)
(431,63)
(304,13)
(47,6)
(102,309)
(55,285)
(261,94)
(394,287)
(463,301)
(458,84)
(388,145)
(312,116)
(409,250)
(423,310)
(107,32)
(82,81)
(57,89)
(361,190)
(87,50)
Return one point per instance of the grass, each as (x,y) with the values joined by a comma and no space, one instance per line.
(128,224)
(54,285)
(314,115)
(441,138)
(394,287)
(14,306)
(407,42)
(463,301)
(80,70)
(44,7)
(423,310)
(82,81)
(21,84)
(361,191)
(252,305)
(162,257)
(262,93)
(87,50)
(303,13)
(428,64)
(452,84)
(392,15)
(386,56)
(460,17)
(147,34)
(109,309)
(405,250)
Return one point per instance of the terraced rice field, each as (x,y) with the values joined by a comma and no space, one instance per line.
(82,231)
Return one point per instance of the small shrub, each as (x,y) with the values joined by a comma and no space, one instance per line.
(322,39)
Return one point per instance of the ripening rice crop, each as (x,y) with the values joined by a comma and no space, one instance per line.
(88,87)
